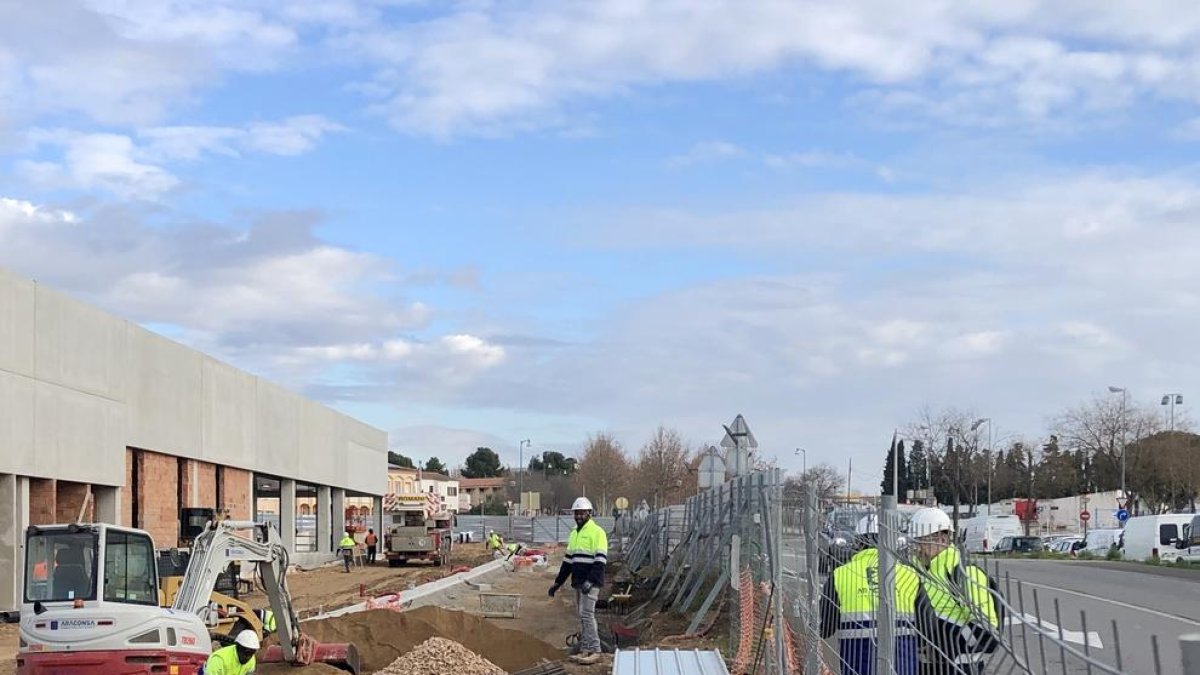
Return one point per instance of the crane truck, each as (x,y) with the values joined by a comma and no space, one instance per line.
(91,602)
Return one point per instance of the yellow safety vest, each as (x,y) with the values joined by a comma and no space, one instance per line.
(346,542)
(857,586)
(224,661)
(587,544)
(947,589)
(494,541)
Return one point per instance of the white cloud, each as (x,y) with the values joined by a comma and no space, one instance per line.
(707,152)
(488,67)
(129,169)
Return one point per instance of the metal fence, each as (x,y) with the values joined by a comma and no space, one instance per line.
(531,530)
(746,559)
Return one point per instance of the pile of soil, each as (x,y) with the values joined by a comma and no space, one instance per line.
(438,656)
(280,668)
(382,636)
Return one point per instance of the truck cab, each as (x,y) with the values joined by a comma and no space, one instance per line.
(413,535)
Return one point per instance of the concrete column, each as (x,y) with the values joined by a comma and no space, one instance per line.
(377,515)
(338,522)
(287,513)
(325,541)
(108,503)
(14,503)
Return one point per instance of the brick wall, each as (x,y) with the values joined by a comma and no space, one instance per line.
(158,497)
(235,492)
(42,501)
(199,487)
(70,497)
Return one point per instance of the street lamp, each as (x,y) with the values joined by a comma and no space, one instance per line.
(1172,400)
(804,457)
(975,427)
(521,489)
(1124,395)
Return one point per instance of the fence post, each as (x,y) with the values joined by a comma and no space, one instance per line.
(776,493)
(812,638)
(1190,646)
(885,652)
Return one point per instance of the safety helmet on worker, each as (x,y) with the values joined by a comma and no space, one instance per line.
(928,522)
(582,504)
(248,639)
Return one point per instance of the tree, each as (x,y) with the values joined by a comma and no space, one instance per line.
(400,460)
(553,463)
(1100,429)
(603,470)
(889,465)
(483,463)
(826,479)
(492,506)
(663,474)
(917,466)
(434,465)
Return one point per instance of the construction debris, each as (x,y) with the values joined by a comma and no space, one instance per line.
(437,656)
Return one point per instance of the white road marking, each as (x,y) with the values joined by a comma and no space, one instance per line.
(1126,605)
(1051,630)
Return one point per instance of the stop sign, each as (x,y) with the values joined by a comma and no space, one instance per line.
(1084,516)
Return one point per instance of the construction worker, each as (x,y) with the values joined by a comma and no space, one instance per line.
(372,542)
(584,562)
(495,543)
(850,606)
(346,545)
(959,612)
(267,618)
(236,659)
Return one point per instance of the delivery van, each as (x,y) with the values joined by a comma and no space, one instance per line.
(982,534)
(1154,536)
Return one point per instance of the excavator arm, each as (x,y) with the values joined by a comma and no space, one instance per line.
(219,545)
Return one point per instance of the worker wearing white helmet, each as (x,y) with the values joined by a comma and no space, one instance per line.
(959,613)
(850,606)
(583,563)
(236,659)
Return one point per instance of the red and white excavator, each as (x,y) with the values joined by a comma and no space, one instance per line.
(91,602)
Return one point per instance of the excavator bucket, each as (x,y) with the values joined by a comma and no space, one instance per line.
(338,654)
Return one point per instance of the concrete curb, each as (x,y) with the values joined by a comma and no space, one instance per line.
(407,598)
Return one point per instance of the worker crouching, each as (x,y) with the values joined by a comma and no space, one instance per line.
(583,563)
(850,608)
(236,659)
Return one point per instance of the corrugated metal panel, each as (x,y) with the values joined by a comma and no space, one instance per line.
(669,662)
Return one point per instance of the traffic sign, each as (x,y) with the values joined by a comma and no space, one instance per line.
(1122,515)
(622,503)
(1084,515)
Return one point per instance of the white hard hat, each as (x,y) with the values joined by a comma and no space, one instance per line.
(582,504)
(248,639)
(868,524)
(929,521)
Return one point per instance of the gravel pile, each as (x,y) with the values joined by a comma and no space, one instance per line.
(438,656)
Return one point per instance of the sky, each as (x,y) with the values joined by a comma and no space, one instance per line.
(474,222)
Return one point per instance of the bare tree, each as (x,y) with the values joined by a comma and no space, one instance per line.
(603,471)
(664,473)
(826,479)
(1099,431)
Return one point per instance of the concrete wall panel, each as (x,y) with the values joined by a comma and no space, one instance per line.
(16,320)
(17,447)
(78,436)
(319,443)
(362,477)
(230,430)
(278,430)
(165,393)
(79,347)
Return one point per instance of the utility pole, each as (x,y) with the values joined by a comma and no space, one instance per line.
(1124,395)
(521,488)
(1172,400)
(849,473)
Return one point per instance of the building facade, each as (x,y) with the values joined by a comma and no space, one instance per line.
(478,490)
(106,421)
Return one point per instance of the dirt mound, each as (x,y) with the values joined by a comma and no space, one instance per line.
(437,656)
(280,668)
(382,636)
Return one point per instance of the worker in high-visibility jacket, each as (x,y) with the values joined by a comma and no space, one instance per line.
(584,563)
(236,659)
(346,545)
(959,612)
(267,617)
(495,543)
(850,607)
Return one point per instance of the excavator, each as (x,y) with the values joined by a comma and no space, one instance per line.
(91,602)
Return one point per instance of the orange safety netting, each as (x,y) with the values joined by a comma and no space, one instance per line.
(746,616)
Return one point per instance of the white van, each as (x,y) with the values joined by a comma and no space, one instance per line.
(981,534)
(1187,548)
(1152,536)
(1099,542)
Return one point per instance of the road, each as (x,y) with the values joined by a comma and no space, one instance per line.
(1142,601)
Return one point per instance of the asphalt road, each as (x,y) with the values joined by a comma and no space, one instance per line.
(1141,600)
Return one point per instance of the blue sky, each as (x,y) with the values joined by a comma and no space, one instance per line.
(476,222)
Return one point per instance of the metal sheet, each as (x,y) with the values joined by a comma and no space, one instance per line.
(669,662)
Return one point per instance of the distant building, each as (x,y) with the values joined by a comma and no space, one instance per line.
(445,487)
(477,490)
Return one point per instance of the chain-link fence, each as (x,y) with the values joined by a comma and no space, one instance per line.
(806,587)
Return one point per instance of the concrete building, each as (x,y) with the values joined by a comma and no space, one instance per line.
(106,421)
(477,490)
(445,487)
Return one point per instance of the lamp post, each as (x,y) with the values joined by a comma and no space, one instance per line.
(804,460)
(975,427)
(521,460)
(1172,400)
(1124,395)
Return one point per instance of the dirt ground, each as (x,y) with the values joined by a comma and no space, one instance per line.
(8,648)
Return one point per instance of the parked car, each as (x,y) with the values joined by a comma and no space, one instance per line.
(1100,542)
(838,538)
(1065,544)
(1018,545)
